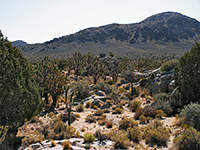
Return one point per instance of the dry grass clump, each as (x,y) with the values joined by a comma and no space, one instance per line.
(117,110)
(125,123)
(53,143)
(66,145)
(80,108)
(109,124)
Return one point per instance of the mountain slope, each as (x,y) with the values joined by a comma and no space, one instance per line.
(167,32)
(19,43)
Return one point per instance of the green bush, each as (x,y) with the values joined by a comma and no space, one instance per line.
(134,134)
(103,87)
(168,65)
(188,139)
(125,123)
(88,138)
(82,90)
(191,114)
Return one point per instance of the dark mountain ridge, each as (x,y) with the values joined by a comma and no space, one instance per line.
(19,43)
(167,32)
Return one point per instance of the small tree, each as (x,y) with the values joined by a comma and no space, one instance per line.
(187,75)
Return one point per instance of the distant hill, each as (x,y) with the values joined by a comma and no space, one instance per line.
(167,32)
(19,43)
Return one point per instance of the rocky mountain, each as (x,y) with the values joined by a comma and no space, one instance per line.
(167,32)
(19,43)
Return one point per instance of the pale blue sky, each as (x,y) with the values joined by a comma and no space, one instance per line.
(36,21)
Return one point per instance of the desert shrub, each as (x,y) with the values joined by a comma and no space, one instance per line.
(149,112)
(101,122)
(53,143)
(103,87)
(64,117)
(155,133)
(88,105)
(188,139)
(120,139)
(143,82)
(32,138)
(134,134)
(82,129)
(134,105)
(125,123)
(66,145)
(191,114)
(144,120)
(80,108)
(91,118)
(100,136)
(98,112)
(88,138)
(82,90)
(109,124)
(117,110)
(51,114)
(168,65)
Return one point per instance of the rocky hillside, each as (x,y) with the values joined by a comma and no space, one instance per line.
(167,32)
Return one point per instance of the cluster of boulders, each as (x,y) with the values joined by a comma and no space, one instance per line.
(76,144)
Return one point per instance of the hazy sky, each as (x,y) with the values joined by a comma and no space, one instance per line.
(36,21)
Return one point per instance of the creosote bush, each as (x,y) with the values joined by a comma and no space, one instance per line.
(82,89)
(103,87)
(109,124)
(88,105)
